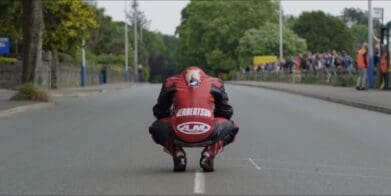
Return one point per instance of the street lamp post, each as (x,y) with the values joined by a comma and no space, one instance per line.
(126,45)
(135,42)
(83,64)
(281,31)
(370,46)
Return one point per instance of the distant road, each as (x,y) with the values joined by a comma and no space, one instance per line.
(287,144)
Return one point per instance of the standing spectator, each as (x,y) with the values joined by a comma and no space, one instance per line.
(362,64)
(304,62)
(298,62)
(383,67)
(332,59)
(290,63)
(348,61)
(377,57)
(243,70)
(329,66)
(314,63)
(338,60)
(321,61)
(296,73)
(281,65)
(259,69)
(247,70)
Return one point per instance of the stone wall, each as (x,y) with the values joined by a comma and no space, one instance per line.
(61,77)
(10,74)
(43,75)
(71,76)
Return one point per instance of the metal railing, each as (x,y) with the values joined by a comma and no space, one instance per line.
(327,76)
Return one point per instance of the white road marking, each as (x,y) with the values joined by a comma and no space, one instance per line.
(255,165)
(199,183)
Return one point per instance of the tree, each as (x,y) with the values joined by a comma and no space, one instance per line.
(11,23)
(352,16)
(356,16)
(265,41)
(323,32)
(99,37)
(290,21)
(360,35)
(138,18)
(210,30)
(67,23)
(108,38)
(33,26)
(155,50)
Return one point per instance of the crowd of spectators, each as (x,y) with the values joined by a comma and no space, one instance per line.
(328,62)
(334,63)
(308,62)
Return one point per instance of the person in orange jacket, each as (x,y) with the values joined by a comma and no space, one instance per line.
(362,64)
(383,66)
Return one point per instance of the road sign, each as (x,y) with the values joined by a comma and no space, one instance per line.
(258,60)
(4,45)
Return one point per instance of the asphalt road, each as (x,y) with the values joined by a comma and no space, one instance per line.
(287,144)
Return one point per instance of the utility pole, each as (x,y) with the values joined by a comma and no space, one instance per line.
(126,44)
(370,46)
(83,64)
(281,32)
(135,41)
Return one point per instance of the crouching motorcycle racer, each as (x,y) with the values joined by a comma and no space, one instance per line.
(193,111)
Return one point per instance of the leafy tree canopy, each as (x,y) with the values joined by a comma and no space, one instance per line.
(265,41)
(11,21)
(354,16)
(360,35)
(66,24)
(323,32)
(209,32)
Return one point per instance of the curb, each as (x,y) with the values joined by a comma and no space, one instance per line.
(93,92)
(80,94)
(330,99)
(24,108)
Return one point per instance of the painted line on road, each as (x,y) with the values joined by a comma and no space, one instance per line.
(199,183)
(255,165)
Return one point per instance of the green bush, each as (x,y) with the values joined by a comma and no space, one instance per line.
(29,92)
(66,58)
(7,60)
(146,73)
(105,59)
(232,74)
(311,79)
(91,58)
(346,81)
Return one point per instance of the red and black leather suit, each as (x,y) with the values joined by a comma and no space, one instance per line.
(193,113)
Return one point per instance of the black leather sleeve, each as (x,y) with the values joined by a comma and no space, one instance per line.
(163,107)
(222,108)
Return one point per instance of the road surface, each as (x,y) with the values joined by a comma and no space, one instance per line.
(287,144)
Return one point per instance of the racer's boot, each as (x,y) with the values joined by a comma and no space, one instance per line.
(208,155)
(178,157)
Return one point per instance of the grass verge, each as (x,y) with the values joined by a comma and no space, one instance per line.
(30,92)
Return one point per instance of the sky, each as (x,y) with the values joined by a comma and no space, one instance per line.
(165,15)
